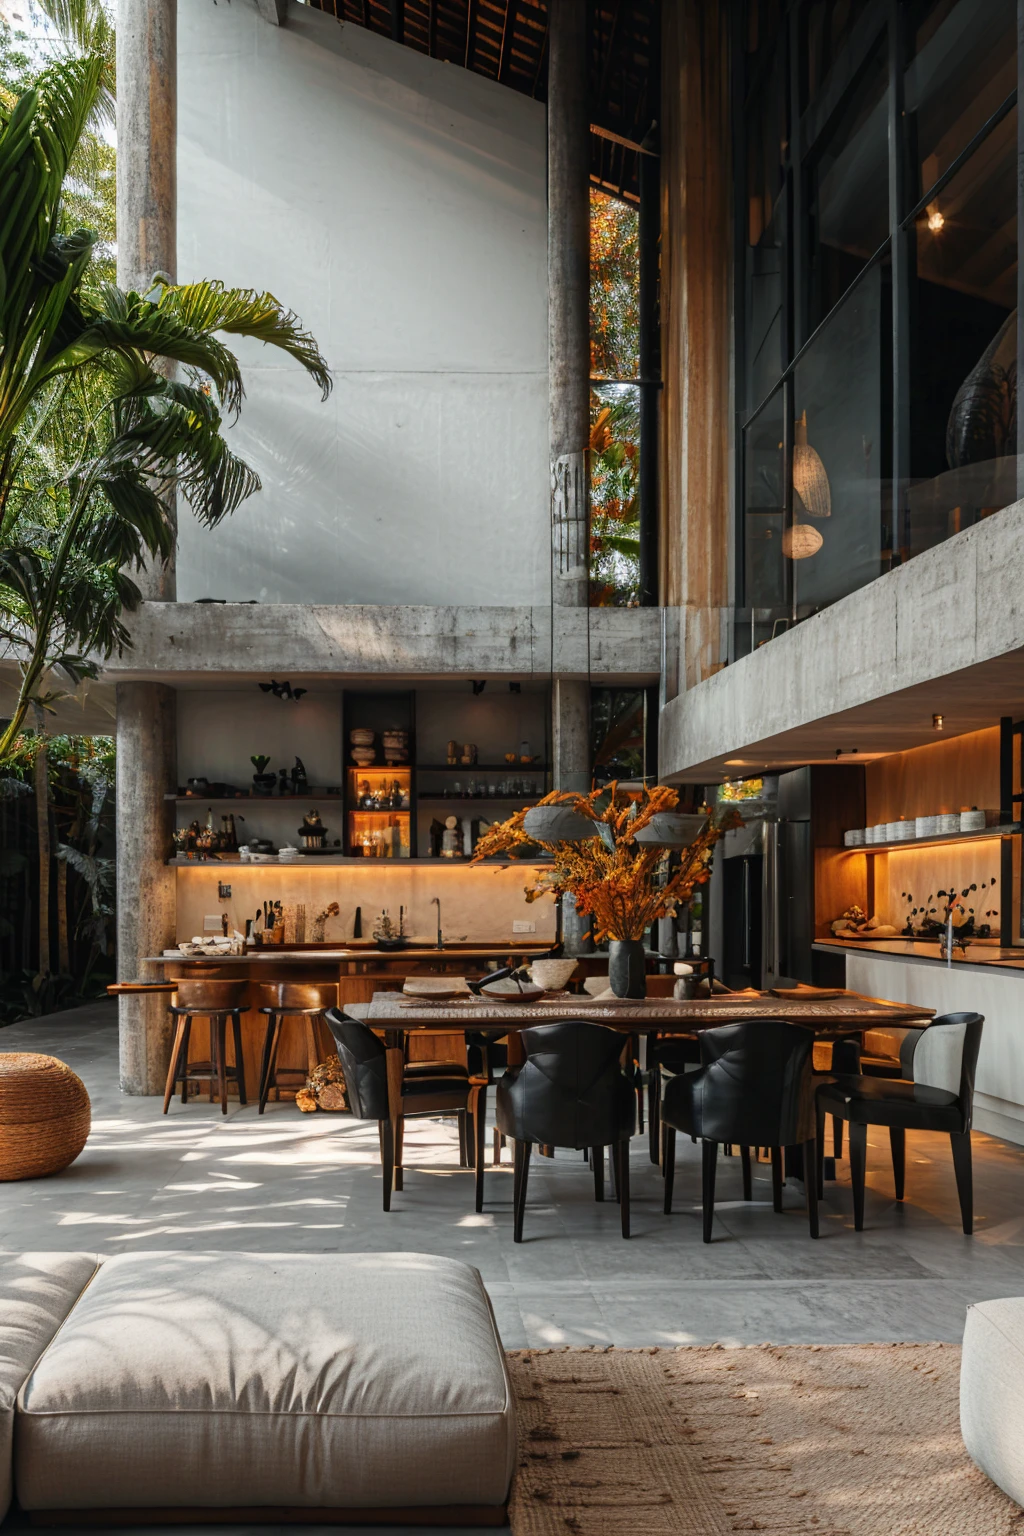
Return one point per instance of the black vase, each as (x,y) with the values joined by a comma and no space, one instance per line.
(627,968)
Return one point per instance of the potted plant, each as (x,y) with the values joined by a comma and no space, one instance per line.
(603,856)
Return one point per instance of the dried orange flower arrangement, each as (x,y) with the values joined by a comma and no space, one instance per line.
(623,884)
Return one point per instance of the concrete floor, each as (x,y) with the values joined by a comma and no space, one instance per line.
(312,1183)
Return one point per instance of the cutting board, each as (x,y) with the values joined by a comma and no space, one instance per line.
(436,988)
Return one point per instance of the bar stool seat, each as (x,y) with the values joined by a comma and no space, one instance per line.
(215,1001)
(280,1000)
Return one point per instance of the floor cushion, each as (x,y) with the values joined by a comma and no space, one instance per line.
(992,1391)
(37,1291)
(222,1380)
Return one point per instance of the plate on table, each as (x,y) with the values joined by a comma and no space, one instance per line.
(436,988)
(507,992)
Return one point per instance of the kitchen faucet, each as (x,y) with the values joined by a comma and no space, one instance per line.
(435,901)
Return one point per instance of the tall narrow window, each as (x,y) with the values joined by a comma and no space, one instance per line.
(614,402)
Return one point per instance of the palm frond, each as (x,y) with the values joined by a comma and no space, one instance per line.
(209,307)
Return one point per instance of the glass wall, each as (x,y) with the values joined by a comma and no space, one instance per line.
(876,291)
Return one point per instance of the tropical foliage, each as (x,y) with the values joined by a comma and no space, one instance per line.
(622,884)
(615,407)
(111,404)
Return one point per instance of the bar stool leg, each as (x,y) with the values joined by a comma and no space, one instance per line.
(269,1055)
(186,1041)
(172,1070)
(236,1031)
(312,1049)
(218,1034)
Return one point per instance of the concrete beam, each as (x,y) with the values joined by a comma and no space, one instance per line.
(273,11)
(943,634)
(185,643)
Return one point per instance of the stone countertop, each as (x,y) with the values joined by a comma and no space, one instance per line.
(926,952)
(496,951)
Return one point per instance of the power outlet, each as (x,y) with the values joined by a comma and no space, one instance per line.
(521,927)
(212,923)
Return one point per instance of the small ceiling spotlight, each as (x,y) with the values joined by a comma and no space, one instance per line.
(935,221)
(937,722)
(282,690)
(478,688)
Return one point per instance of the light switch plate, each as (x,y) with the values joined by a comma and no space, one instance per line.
(521,927)
(212,923)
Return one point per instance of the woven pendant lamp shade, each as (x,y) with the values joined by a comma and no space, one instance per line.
(44,1115)
(810,482)
(800,541)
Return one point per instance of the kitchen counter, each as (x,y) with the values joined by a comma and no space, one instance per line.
(280,955)
(926,952)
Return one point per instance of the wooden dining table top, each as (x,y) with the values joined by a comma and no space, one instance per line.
(825,1015)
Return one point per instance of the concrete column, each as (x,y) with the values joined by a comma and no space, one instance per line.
(147,194)
(569,363)
(146,771)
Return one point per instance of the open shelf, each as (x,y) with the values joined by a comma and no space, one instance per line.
(329,860)
(1006,829)
(243,795)
(516,767)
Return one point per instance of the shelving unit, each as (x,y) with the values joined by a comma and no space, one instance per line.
(1007,829)
(233,860)
(313,797)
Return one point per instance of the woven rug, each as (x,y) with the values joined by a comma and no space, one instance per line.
(853,1440)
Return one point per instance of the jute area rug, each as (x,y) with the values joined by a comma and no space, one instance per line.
(857,1440)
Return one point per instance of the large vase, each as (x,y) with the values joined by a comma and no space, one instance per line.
(627,968)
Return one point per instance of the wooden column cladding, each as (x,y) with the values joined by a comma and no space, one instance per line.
(697,268)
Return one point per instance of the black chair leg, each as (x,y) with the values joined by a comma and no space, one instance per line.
(898,1143)
(669,1165)
(387,1160)
(748,1186)
(858,1171)
(597,1163)
(522,1174)
(615,1170)
(479,1125)
(218,1034)
(811,1166)
(837,1137)
(709,1164)
(962,1165)
(400,1153)
(653,1115)
(776,1178)
(621,1154)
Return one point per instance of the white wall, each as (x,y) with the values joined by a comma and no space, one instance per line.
(398,205)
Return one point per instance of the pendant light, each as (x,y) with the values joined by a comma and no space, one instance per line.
(801,541)
(558,824)
(810,482)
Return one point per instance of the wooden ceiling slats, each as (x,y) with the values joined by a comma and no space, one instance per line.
(506,40)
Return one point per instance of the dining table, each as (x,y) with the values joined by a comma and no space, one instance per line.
(831,1015)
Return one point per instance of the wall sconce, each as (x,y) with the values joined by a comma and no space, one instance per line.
(810,482)
(936,222)
(937,722)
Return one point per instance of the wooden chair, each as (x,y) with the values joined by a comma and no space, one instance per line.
(280,1000)
(215,1001)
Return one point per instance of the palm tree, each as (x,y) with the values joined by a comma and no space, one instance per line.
(97,428)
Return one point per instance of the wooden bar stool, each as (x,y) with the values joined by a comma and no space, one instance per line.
(216,1001)
(281,1000)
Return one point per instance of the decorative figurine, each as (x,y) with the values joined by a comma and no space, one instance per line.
(313,832)
(263,783)
(300,783)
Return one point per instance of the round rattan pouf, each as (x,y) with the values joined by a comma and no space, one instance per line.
(44,1115)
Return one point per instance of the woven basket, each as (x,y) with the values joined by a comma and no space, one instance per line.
(44,1115)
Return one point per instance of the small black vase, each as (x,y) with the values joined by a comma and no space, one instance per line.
(627,969)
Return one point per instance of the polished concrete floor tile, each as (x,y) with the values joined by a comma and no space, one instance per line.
(312,1183)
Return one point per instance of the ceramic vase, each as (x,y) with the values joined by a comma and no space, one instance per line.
(627,970)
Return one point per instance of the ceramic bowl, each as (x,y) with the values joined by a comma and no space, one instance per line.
(552,975)
(507,992)
(361,737)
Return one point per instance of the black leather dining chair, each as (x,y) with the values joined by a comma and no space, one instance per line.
(753,1089)
(936,1093)
(571,1091)
(364,1062)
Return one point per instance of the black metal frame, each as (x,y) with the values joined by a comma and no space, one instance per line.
(888,20)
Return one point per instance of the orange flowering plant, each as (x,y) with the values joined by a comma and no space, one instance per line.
(624,885)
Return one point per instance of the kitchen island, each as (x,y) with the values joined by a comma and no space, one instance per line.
(355,970)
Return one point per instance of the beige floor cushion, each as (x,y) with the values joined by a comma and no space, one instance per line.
(992,1391)
(244,1380)
(37,1291)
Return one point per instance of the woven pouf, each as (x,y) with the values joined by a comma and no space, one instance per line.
(44,1115)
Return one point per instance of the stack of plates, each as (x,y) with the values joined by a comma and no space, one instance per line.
(289,856)
(926,826)
(949,822)
(855,838)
